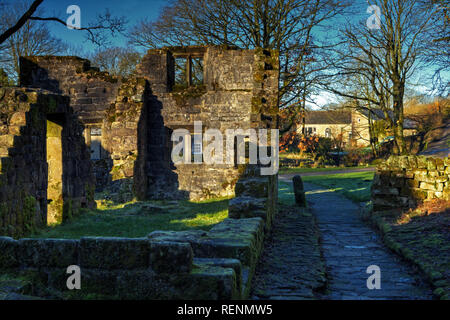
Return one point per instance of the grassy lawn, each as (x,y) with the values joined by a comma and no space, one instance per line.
(306,170)
(354,185)
(137,219)
(286,194)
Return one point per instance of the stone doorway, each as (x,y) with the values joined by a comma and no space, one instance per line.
(55,124)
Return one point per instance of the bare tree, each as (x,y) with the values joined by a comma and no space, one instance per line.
(95,30)
(33,38)
(116,60)
(386,58)
(285,25)
(438,45)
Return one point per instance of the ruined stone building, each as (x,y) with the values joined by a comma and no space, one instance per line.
(69,122)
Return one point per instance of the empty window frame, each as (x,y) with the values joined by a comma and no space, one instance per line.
(188,71)
(95,143)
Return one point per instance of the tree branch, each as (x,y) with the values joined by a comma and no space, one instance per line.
(26,16)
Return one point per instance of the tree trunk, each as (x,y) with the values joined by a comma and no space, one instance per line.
(399,119)
(372,137)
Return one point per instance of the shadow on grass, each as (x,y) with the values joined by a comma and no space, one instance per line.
(138,219)
(355,185)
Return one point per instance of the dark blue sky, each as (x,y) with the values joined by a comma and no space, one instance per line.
(133,10)
(136,10)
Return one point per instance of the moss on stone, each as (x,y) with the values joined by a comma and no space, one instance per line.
(182,95)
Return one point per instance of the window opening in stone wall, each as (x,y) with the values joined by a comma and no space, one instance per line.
(96,143)
(181,73)
(188,72)
(197,71)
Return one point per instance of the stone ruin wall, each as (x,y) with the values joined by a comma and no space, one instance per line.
(24,172)
(91,94)
(137,122)
(403,182)
(240,90)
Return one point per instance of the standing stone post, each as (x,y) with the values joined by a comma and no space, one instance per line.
(299,191)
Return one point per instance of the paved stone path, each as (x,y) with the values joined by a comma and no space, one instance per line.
(349,247)
(291,267)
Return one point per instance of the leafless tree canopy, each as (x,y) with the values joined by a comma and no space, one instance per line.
(33,38)
(116,60)
(95,30)
(378,63)
(285,25)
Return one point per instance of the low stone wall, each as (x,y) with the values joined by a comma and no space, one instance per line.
(403,182)
(167,265)
(256,196)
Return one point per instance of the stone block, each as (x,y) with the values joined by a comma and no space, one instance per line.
(114,253)
(170,257)
(422,162)
(37,253)
(99,281)
(419,194)
(252,187)
(8,253)
(205,283)
(18,119)
(224,263)
(139,285)
(440,164)
(428,186)
(412,183)
(431,163)
(177,236)
(233,238)
(247,207)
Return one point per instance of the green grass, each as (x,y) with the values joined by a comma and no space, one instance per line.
(354,185)
(131,220)
(286,193)
(307,170)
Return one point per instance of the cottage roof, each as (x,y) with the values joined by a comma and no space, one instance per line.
(328,117)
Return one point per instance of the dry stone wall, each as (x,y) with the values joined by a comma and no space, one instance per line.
(405,181)
(28,119)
